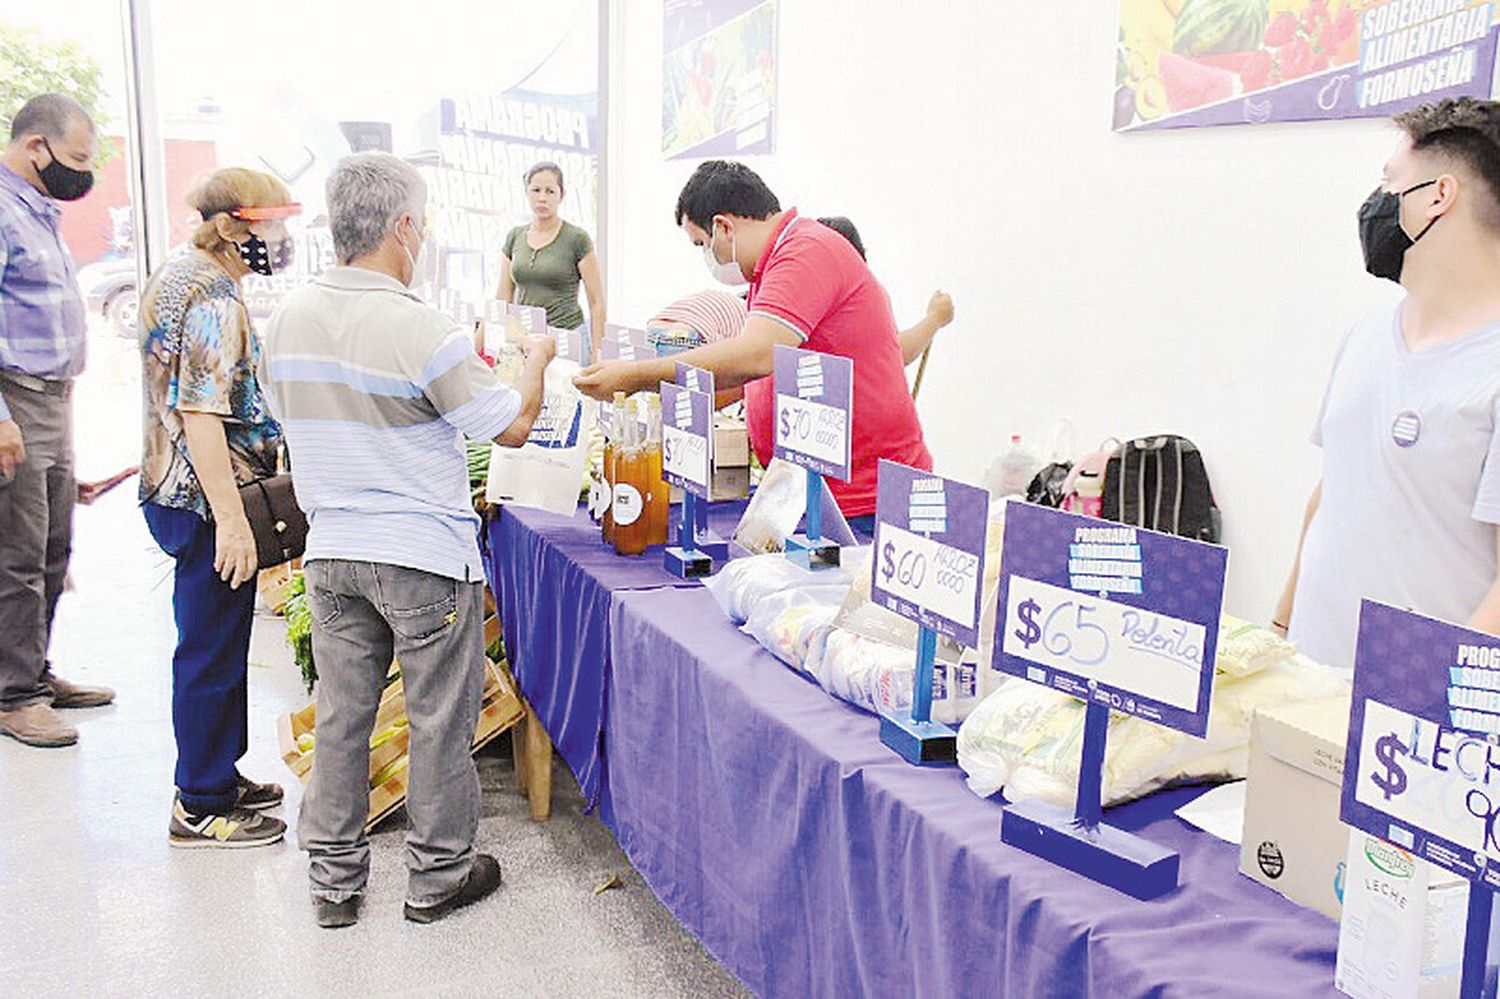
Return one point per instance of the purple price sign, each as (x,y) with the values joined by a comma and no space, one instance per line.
(687,438)
(928,564)
(814,410)
(697,379)
(570,344)
(1422,766)
(533,317)
(609,345)
(1111,613)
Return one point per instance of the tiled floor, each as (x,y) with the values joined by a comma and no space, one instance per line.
(94,903)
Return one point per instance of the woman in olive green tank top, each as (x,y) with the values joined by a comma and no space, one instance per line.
(544,262)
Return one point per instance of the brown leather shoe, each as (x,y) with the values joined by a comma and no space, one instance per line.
(37,725)
(76,695)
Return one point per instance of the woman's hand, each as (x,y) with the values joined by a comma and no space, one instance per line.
(235,558)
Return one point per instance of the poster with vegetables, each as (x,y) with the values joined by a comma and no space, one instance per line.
(1184,63)
(718,78)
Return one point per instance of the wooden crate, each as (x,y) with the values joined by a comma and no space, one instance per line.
(275,584)
(499,710)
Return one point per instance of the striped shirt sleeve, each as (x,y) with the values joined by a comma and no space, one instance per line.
(466,392)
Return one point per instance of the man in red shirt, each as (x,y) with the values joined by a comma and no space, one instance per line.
(809,288)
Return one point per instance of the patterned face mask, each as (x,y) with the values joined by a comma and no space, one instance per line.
(266,258)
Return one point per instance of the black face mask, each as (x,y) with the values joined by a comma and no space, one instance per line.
(62,181)
(1380,234)
(264,258)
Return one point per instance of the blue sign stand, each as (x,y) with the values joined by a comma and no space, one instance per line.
(1082,842)
(810,549)
(707,541)
(684,559)
(1476,942)
(919,739)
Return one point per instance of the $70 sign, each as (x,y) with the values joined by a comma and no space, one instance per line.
(814,430)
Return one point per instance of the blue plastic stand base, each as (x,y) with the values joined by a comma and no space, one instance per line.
(688,565)
(820,554)
(926,744)
(1127,863)
(712,545)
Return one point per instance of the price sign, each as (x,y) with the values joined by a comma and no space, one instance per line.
(609,344)
(687,438)
(1422,767)
(570,344)
(697,379)
(814,409)
(929,550)
(1110,613)
(531,317)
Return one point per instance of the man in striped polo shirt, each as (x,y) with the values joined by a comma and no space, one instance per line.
(374,389)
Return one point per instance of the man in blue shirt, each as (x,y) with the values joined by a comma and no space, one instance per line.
(42,339)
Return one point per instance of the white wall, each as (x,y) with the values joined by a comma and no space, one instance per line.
(1193,282)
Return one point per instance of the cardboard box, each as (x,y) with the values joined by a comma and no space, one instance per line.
(1402,933)
(1293,840)
(731,443)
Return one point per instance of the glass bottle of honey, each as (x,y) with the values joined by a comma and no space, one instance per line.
(660,501)
(612,437)
(632,520)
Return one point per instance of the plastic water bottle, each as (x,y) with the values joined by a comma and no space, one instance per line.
(1012,472)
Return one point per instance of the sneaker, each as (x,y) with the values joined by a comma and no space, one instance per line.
(236,829)
(258,797)
(336,915)
(76,695)
(483,879)
(37,725)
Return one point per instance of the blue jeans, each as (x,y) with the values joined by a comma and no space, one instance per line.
(210,665)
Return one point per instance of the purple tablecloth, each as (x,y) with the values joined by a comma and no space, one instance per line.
(813,862)
(552,577)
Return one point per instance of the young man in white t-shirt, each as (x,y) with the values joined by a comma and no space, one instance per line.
(1407,508)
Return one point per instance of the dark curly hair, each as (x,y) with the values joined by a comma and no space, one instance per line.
(720,187)
(1467,131)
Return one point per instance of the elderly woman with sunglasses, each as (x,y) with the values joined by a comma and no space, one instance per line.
(207,432)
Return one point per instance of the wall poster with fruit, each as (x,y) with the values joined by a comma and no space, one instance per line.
(1183,63)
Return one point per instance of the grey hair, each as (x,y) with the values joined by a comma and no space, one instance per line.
(367,194)
(49,115)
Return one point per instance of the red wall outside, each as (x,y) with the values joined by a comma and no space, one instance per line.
(86,224)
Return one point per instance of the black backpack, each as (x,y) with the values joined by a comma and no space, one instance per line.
(1160,483)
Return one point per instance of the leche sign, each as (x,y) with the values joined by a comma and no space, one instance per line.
(1111,613)
(1422,768)
(814,402)
(686,437)
(929,550)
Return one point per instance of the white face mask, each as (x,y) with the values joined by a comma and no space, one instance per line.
(421,262)
(729,273)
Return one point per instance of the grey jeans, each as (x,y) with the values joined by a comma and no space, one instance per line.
(36,534)
(363,613)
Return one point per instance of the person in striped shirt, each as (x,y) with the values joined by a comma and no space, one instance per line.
(374,390)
